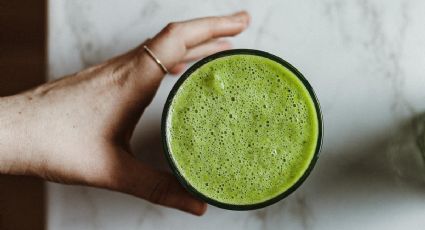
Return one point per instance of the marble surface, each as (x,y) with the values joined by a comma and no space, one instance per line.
(366,61)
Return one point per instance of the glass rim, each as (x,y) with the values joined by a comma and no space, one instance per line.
(168,154)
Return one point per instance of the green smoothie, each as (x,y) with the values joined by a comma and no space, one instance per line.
(242,129)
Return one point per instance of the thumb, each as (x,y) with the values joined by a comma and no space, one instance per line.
(157,187)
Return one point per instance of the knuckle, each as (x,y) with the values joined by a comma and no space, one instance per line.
(214,23)
(172,27)
(217,20)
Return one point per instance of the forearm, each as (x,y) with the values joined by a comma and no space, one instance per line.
(14,155)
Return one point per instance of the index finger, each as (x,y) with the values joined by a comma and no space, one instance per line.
(196,31)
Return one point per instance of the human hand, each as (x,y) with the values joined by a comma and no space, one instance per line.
(77,130)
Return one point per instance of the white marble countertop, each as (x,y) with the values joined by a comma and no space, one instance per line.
(366,61)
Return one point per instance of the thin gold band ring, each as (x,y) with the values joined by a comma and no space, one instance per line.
(153,56)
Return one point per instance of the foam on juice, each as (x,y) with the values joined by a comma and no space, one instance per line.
(242,129)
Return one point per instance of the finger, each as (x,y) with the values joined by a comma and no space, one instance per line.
(206,49)
(201,51)
(196,31)
(178,68)
(171,44)
(157,187)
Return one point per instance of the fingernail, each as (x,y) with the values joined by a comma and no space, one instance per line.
(242,16)
(242,12)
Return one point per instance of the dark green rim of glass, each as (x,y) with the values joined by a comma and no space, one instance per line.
(167,151)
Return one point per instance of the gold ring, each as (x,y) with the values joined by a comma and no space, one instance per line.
(153,56)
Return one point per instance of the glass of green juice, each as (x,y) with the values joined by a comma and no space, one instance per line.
(242,129)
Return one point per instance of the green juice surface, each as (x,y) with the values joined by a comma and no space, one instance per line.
(242,129)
